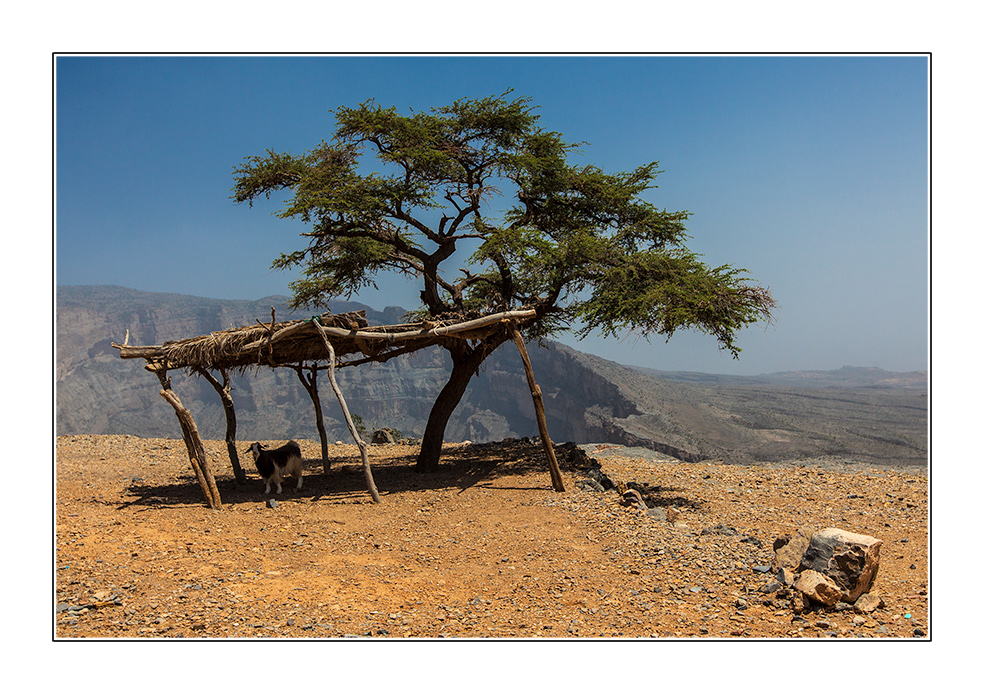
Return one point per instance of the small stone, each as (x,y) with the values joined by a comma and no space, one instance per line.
(601,478)
(818,587)
(590,484)
(271,503)
(719,529)
(869,602)
(799,603)
(631,497)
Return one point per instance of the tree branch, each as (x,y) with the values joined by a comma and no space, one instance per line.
(398,213)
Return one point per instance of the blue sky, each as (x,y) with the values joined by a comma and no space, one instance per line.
(810,171)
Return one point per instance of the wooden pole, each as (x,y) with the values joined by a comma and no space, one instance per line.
(348,417)
(541,415)
(193,442)
(224,390)
(310,384)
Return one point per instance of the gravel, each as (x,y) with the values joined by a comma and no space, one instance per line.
(482,549)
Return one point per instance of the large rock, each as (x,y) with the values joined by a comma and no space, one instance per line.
(383,436)
(848,559)
(789,548)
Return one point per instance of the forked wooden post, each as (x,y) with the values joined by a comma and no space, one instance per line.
(310,384)
(193,441)
(541,415)
(224,390)
(348,417)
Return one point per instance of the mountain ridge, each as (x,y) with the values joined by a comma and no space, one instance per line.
(588,398)
(845,376)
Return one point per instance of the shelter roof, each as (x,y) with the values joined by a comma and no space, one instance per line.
(295,342)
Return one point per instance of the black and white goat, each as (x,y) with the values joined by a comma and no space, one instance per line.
(274,464)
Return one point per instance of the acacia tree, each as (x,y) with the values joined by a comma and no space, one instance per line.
(579,245)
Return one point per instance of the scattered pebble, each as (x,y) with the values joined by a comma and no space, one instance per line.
(496,554)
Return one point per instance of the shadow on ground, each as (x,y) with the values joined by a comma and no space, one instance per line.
(483,465)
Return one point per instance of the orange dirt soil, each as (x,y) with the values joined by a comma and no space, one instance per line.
(484,548)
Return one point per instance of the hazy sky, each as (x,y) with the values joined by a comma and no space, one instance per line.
(811,172)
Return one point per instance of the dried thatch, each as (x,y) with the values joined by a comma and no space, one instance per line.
(295,342)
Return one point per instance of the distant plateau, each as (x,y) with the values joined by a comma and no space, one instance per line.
(865,415)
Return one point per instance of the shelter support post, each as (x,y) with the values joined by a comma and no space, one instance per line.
(193,441)
(348,417)
(541,415)
(224,390)
(310,384)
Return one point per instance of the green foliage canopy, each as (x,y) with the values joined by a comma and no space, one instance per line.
(576,243)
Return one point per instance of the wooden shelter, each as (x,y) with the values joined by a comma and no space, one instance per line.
(300,345)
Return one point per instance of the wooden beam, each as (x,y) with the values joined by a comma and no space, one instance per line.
(135,352)
(438,331)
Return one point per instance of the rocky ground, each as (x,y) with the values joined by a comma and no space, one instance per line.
(484,548)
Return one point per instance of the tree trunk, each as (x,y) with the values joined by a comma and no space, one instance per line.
(465,362)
